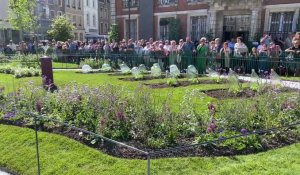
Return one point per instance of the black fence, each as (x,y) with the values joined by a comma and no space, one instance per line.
(283,64)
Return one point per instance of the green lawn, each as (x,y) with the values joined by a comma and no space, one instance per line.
(57,65)
(60,155)
(62,78)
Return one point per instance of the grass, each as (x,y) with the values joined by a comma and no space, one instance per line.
(61,78)
(57,65)
(60,155)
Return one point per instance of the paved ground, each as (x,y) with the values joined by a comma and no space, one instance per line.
(290,84)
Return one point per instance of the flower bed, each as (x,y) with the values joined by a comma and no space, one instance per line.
(20,72)
(136,118)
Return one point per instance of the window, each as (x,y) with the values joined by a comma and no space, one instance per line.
(52,14)
(164,28)
(93,3)
(194,1)
(101,28)
(101,12)
(88,19)
(167,2)
(281,22)
(105,28)
(87,2)
(81,37)
(74,20)
(237,23)
(74,4)
(79,4)
(105,13)
(94,20)
(60,2)
(59,13)
(133,29)
(80,21)
(131,3)
(50,1)
(43,15)
(68,3)
(76,36)
(198,27)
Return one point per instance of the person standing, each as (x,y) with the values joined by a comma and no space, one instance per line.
(202,53)
(188,49)
(172,53)
(225,55)
(12,46)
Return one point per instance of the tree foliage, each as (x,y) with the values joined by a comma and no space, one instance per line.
(61,29)
(114,33)
(21,15)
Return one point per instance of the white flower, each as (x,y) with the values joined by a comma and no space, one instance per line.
(80,133)
(93,141)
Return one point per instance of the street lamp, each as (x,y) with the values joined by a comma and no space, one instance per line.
(129,26)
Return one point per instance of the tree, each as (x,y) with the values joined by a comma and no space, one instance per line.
(114,33)
(61,29)
(21,15)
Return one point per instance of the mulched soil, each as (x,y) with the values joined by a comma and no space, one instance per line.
(122,152)
(183,84)
(222,94)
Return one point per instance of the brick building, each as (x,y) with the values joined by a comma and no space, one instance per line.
(215,18)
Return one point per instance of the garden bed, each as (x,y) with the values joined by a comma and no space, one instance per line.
(222,94)
(209,150)
(184,83)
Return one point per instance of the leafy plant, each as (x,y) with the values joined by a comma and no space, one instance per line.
(194,80)
(172,82)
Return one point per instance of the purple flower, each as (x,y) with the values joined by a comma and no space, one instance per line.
(9,115)
(38,106)
(221,130)
(233,128)
(221,138)
(244,131)
(120,115)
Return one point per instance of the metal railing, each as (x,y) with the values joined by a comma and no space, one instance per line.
(284,64)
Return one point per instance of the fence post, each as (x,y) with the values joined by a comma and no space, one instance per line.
(148,164)
(37,145)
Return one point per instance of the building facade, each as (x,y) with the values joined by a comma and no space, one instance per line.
(212,18)
(74,12)
(104,16)
(6,31)
(90,9)
(46,11)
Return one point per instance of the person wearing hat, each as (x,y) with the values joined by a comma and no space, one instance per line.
(202,53)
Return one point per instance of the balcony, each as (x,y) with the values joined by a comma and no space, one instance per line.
(167,3)
(131,3)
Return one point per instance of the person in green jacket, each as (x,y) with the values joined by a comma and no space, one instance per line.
(202,52)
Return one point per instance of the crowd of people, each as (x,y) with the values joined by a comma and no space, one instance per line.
(202,53)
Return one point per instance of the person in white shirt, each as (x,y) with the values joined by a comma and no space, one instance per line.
(12,46)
